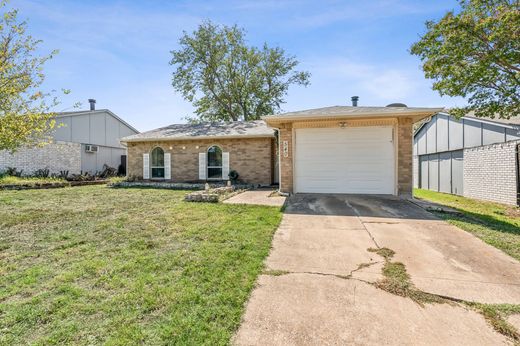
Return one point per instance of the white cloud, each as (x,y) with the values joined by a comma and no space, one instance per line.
(389,84)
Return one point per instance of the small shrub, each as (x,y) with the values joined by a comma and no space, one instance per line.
(233,175)
(115,180)
(82,176)
(41,173)
(13,172)
(132,178)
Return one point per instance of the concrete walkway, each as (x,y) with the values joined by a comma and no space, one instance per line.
(257,197)
(315,293)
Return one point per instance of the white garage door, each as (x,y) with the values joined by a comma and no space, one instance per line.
(345,160)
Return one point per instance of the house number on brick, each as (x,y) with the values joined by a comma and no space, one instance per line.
(285,148)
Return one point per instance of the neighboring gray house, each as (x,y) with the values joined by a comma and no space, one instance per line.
(472,157)
(83,142)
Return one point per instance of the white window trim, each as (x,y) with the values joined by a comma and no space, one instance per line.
(152,167)
(208,166)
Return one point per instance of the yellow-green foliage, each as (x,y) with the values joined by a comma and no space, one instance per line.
(9,180)
(24,108)
(474,52)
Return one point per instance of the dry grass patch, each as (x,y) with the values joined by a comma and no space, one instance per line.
(496,315)
(397,281)
(384,252)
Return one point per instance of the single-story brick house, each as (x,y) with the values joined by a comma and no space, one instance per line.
(206,151)
(340,149)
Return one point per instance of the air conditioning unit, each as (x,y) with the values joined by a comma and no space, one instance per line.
(89,148)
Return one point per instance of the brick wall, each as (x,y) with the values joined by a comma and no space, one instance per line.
(286,159)
(58,156)
(404,157)
(250,157)
(490,172)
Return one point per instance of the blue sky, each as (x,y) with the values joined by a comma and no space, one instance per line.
(118,51)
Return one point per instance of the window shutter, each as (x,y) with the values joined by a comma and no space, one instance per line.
(146,166)
(202,166)
(225,166)
(167,166)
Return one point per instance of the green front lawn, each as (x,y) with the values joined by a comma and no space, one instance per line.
(95,265)
(496,224)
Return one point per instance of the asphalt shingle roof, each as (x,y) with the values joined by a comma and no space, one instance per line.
(257,128)
(354,111)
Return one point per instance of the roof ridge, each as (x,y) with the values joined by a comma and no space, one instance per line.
(230,129)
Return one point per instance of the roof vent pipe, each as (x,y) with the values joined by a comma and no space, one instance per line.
(354,100)
(92,104)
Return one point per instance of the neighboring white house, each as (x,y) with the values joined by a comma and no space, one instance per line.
(471,157)
(83,141)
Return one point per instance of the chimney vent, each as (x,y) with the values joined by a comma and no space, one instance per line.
(92,104)
(354,100)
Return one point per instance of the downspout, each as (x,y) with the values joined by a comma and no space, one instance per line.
(125,144)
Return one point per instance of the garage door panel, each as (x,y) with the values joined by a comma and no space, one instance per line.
(351,160)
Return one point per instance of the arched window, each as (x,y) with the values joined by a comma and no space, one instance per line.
(214,163)
(157,163)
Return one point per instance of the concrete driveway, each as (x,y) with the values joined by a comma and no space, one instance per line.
(316,292)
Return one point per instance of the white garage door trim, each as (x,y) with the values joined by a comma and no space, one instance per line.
(358,160)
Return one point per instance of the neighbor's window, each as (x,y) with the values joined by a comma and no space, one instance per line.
(157,163)
(214,163)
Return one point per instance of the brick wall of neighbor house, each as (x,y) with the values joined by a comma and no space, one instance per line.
(250,157)
(489,172)
(57,156)
(404,157)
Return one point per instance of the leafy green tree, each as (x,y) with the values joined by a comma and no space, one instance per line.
(475,53)
(25,118)
(226,80)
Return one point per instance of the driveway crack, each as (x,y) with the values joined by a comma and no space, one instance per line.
(349,276)
(358,215)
